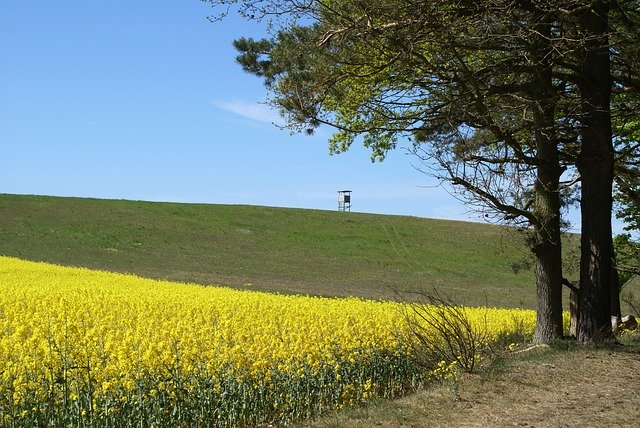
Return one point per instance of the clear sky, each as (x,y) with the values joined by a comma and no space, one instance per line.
(143,100)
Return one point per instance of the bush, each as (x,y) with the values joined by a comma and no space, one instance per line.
(441,335)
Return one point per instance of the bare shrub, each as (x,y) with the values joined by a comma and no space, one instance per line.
(439,330)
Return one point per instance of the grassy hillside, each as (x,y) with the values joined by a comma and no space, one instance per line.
(276,249)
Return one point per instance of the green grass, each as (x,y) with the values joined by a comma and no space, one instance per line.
(313,252)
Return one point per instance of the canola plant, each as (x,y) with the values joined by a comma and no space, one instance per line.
(91,348)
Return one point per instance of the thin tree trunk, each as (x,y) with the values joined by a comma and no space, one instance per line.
(595,164)
(616,288)
(574,297)
(616,310)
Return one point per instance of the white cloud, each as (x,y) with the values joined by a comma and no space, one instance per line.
(251,110)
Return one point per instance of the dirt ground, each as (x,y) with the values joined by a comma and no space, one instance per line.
(541,387)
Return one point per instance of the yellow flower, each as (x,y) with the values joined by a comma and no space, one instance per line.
(73,327)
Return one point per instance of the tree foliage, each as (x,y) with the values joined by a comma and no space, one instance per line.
(627,197)
(511,99)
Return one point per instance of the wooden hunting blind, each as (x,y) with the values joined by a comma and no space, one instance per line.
(344,200)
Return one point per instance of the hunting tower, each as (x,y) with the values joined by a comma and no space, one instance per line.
(344,200)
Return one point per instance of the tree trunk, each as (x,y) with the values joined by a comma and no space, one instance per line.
(548,271)
(574,297)
(547,243)
(616,310)
(547,246)
(595,164)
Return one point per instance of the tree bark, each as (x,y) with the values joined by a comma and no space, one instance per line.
(574,297)
(546,245)
(595,164)
(548,272)
(616,310)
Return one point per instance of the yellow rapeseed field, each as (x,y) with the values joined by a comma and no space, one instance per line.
(84,347)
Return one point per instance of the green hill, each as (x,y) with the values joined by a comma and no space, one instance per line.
(276,249)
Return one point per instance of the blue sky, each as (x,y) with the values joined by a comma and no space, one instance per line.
(143,100)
